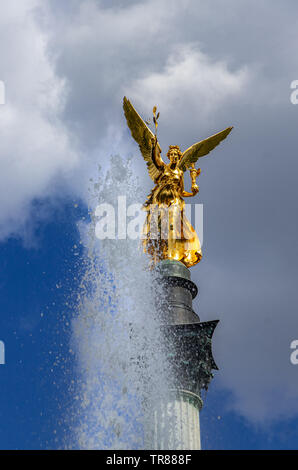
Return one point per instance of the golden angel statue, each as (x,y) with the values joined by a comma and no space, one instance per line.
(167,233)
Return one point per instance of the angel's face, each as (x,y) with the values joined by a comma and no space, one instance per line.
(173,156)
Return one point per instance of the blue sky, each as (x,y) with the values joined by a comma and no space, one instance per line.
(35,327)
(206,65)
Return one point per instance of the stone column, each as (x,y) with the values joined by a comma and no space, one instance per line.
(173,422)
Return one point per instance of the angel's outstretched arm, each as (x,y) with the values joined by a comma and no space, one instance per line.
(156,154)
(194,187)
(195,190)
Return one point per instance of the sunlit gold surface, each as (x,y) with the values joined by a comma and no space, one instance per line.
(167,233)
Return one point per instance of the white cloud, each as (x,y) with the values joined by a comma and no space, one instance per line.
(35,145)
(189,83)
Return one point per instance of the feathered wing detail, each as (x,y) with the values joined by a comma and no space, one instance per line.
(145,138)
(202,148)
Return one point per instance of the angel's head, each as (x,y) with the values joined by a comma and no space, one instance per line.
(174,153)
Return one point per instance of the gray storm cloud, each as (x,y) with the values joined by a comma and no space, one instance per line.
(206,65)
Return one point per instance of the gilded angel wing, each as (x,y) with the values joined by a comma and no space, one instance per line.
(202,148)
(144,137)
